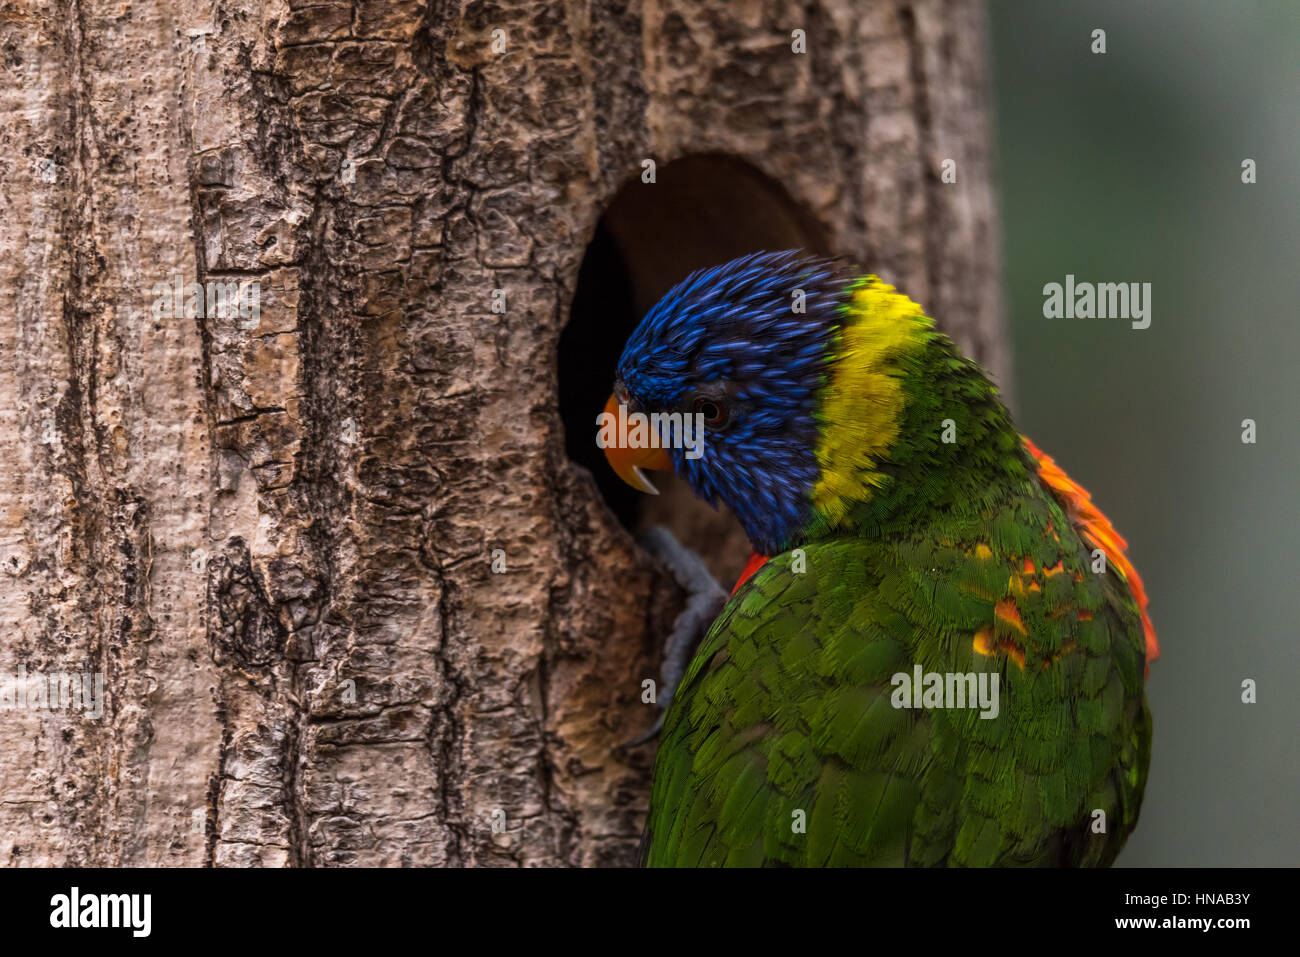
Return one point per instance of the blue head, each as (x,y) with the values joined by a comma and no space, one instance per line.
(748,346)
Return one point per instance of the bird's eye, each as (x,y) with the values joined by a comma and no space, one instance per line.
(713,410)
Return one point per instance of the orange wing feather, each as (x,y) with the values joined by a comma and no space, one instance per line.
(1097,530)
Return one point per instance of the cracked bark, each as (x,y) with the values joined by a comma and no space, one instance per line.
(274,537)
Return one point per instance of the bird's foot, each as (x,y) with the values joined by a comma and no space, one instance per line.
(704,600)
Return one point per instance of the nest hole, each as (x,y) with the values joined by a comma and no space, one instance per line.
(701,211)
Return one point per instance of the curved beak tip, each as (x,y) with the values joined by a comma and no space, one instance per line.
(644,483)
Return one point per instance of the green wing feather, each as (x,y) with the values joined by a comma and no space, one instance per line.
(782,746)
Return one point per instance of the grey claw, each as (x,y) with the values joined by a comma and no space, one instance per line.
(648,736)
(705,598)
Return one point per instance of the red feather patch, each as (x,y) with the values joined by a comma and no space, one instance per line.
(754,564)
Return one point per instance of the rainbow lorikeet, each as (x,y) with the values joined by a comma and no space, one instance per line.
(912,550)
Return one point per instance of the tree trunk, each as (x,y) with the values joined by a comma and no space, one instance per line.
(352,602)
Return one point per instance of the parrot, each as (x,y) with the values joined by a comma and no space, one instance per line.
(909,545)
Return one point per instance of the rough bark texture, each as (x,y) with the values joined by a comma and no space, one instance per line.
(275,538)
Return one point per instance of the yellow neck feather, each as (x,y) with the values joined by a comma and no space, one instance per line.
(863,403)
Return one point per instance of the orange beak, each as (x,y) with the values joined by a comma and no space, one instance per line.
(628,463)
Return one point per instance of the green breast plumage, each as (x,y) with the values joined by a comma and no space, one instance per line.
(784,745)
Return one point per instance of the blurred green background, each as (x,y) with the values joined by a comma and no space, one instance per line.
(1126,166)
